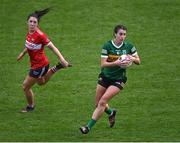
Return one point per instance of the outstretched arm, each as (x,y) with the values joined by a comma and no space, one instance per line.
(21,55)
(58,53)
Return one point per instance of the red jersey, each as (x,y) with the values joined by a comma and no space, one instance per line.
(35,46)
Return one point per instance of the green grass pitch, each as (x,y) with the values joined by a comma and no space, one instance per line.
(148,107)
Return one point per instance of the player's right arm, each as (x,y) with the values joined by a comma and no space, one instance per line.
(21,55)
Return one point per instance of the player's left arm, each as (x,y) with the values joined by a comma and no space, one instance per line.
(135,58)
(133,55)
(58,53)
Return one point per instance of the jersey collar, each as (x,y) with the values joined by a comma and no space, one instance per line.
(116,45)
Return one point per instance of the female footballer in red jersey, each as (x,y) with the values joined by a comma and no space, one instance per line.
(34,46)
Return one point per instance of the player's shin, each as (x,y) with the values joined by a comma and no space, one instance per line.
(108,110)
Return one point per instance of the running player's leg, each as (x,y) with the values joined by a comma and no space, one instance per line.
(112,114)
(108,95)
(98,112)
(100,90)
(27,84)
(44,74)
(49,73)
(103,84)
(108,110)
(43,80)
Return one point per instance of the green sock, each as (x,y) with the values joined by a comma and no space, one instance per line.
(108,111)
(91,123)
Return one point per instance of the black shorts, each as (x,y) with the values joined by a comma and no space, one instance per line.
(105,82)
(38,73)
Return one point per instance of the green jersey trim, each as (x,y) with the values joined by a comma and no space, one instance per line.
(116,45)
(134,54)
(104,56)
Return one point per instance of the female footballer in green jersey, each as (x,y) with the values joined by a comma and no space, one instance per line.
(112,77)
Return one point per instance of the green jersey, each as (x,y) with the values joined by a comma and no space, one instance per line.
(112,53)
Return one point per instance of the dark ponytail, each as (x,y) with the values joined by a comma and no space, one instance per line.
(39,14)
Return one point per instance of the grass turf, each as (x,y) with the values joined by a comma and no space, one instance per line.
(148,107)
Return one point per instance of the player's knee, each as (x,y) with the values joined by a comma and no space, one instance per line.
(102,103)
(40,83)
(24,87)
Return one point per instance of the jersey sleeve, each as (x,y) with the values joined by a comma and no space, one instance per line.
(45,39)
(133,50)
(104,51)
